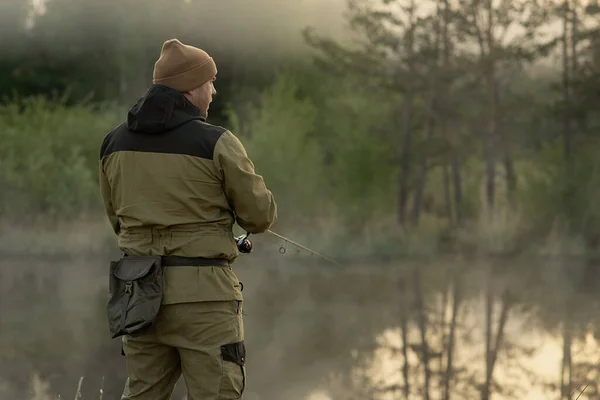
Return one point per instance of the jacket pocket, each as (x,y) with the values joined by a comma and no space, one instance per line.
(233,379)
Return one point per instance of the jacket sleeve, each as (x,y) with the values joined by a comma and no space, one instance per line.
(248,196)
(105,192)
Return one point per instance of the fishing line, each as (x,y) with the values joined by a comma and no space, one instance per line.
(302,247)
(245,246)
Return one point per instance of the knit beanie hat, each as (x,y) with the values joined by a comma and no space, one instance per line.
(183,67)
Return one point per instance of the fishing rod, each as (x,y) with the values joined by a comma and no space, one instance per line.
(245,246)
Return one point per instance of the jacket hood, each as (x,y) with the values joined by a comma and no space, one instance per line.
(161,109)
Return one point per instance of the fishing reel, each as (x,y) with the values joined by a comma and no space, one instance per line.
(244,244)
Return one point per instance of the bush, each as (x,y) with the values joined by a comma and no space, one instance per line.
(49,157)
(277,138)
(564,192)
(322,148)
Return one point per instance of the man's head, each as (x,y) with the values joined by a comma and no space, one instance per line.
(202,96)
(189,70)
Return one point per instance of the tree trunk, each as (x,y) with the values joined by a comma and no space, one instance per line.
(569,65)
(457,183)
(403,185)
(489,148)
(574,35)
(431,120)
(509,169)
(511,176)
(454,162)
(567,134)
(489,63)
(448,194)
(420,190)
(576,121)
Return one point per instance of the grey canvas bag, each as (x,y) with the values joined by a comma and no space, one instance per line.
(135,294)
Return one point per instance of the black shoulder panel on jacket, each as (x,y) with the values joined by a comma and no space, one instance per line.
(195,138)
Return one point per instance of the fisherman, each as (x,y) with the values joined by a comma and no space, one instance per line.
(173,186)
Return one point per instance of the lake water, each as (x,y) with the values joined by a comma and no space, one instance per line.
(311,328)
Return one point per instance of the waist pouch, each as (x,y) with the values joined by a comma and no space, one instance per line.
(136,287)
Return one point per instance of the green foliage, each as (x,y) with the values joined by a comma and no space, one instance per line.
(565,191)
(48,157)
(323,150)
(278,140)
(362,167)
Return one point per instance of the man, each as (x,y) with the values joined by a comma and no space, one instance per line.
(173,185)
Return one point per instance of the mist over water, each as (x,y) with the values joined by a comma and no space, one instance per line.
(309,328)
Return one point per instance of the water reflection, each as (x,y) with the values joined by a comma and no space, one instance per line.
(317,333)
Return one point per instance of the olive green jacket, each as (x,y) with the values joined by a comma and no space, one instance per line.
(172,184)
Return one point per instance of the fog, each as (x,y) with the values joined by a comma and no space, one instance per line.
(259,26)
(311,326)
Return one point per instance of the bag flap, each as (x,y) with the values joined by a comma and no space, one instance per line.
(134,267)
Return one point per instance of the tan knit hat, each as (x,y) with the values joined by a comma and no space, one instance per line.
(183,67)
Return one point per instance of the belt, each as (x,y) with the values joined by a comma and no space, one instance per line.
(179,261)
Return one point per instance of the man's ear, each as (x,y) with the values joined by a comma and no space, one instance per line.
(187,95)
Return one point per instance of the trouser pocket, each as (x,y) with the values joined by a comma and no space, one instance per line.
(233,382)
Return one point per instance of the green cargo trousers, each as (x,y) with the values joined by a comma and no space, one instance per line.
(204,341)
